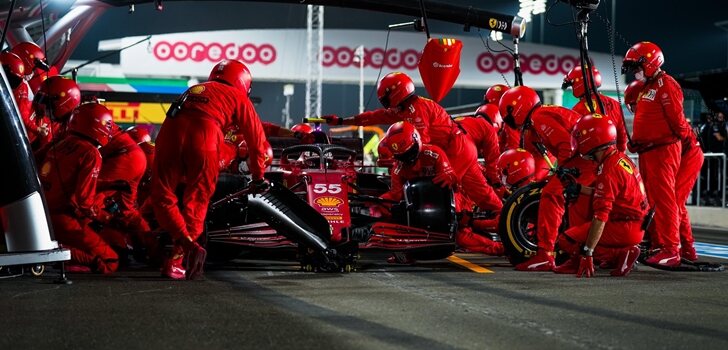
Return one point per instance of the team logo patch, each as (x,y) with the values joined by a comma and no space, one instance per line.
(328,201)
(197,89)
(625,164)
(649,94)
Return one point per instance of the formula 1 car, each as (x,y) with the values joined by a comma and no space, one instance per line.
(317,208)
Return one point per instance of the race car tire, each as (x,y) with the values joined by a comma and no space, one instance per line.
(518,221)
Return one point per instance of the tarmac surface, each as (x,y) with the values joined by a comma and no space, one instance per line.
(431,305)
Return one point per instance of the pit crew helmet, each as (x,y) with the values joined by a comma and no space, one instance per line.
(516,104)
(491,113)
(575,79)
(494,93)
(93,121)
(233,73)
(516,167)
(57,97)
(593,132)
(394,89)
(14,68)
(403,141)
(645,55)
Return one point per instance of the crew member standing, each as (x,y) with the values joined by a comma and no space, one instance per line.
(660,129)
(691,161)
(187,151)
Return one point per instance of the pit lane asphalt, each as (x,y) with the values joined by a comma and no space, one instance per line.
(433,305)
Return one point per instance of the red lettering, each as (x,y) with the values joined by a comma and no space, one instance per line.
(486,62)
(162,50)
(214,52)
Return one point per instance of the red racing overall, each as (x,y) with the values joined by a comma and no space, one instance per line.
(551,126)
(187,150)
(436,128)
(659,125)
(69,175)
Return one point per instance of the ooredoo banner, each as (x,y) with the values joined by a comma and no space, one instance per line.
(281,55)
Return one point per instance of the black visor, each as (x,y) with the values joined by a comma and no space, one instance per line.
(410,155)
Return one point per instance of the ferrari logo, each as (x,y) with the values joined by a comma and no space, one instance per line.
(492,23)
(394,146)
(626,166)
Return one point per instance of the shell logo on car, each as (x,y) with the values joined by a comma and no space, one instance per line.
(328,201)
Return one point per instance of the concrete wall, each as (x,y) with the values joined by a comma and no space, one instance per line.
(709,217)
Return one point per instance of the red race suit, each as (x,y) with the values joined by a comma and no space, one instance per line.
(187,153)
(659,126)
(69,174)
(437,128)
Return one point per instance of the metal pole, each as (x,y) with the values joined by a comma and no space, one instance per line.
(697,199)
(360,53)
(723,177)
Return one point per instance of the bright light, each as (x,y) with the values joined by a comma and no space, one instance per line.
(496,35)
(531,7)
(539,6)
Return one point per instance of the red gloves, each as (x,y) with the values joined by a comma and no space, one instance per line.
(586,267)
(446,179)
(332,119)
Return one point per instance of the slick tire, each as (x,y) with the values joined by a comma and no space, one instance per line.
(517,226)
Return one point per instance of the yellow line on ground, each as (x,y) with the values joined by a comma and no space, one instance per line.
(467,264)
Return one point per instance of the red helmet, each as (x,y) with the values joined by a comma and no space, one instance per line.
(403,141)
(29,52)
(491,114)
(234,73)
(593,132)
(516,167)
(516,104)
(140,135)
(575,79)
(94,121)
(302,128)
(12,64)
(646,55)
(57,98)
(385,159)
(494,93)
(394,89)
(632,93)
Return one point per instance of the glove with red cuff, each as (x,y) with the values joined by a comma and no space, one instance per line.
(586,263)
(333,119)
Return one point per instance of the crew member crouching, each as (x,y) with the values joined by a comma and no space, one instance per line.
(415,159)
(619,204)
